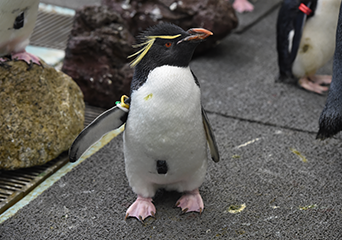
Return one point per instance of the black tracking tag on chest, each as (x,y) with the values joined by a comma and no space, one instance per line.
(19,21)
(161,167)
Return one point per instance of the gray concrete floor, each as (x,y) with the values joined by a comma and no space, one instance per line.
(258,125)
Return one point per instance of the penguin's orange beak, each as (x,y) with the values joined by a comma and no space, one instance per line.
(197,34)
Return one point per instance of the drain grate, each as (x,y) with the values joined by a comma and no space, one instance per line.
(52,30)
(14,185)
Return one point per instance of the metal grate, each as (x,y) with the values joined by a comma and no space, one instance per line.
(52,30)
(14,185)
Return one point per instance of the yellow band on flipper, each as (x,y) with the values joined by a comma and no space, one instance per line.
(123,104)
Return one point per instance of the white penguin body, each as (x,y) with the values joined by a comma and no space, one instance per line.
(165,123)
(317,44)
(12,39)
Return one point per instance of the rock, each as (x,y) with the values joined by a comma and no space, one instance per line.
(217,16)
(96,55)
(42,112)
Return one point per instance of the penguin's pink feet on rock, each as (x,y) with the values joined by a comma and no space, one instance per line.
(141,209)
(27,57)
(191,202)
(3,63)
(314,83)
(243,6)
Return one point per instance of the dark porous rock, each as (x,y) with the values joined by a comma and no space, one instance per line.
(96,55)
(41,113)
(217,16)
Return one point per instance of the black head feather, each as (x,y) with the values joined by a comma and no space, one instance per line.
(163,44)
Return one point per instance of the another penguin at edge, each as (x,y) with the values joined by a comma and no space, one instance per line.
(330,121)
(17,21)
(306,41)
(166,130)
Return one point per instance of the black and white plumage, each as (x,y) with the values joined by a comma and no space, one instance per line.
(330,121)
(165,140)
(306,40)
(17,21)
(106,122)
(167,130)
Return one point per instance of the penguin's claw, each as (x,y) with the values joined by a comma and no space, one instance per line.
(321,79)
(4,64)
(314,84)
(243,6)
(27,57)
(141,209)
(191,202)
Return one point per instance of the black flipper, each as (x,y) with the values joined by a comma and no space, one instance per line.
(210,137)
(208,131)
(298,32)
(108,121)
(330,121)
(290,18)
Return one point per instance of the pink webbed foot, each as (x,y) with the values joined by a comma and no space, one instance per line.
(243,6)
(141,209)
(27,57)
(321,79)
(191,202)
(313,84)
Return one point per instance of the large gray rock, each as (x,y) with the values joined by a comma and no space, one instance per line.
(41,113)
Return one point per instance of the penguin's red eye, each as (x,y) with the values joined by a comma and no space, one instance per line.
(168,44)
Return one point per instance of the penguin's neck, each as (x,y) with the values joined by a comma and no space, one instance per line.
(139,78)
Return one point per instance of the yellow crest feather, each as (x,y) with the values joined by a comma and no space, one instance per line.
(146,47)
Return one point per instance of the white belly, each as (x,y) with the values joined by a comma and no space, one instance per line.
(165,123)
(317,44)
